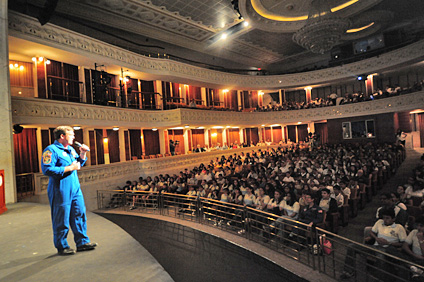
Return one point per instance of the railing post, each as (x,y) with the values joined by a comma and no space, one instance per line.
(124,200)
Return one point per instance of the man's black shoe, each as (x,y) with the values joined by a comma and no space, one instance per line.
(66,252)
(87,247)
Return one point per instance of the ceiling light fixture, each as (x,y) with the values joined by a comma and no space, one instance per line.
(323,29)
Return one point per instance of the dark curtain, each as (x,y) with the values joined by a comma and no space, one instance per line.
(100,146)
(252,136)
(135,143)
(421,125)
(45,138)
(322,131)
(151,142)
(175,89)
(78,137)
(26,154)
(302,131)
(198,137)
(93,154)
(291,132)
(246,100)
(127,145)
(148,98)
(114,155)
(254,97)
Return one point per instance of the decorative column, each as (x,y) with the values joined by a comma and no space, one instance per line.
(203,92)
(308,94)
(206,135)
(81,78)
(186,143)
(241,135)
(224,137)
(121,136)
(7,159)
(369,85)
(260,134)
(281,94)
(239,100)
(162,143)
(158,88)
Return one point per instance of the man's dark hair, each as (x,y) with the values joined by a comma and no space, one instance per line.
(388,212)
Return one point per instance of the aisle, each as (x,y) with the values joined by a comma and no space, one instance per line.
(366,217)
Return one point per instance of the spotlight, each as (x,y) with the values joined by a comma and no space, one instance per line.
(154,129)
(246,24)
(224,36)
(77,127)
(115,128)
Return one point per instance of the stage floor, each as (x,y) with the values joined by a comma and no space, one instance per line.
(27,252)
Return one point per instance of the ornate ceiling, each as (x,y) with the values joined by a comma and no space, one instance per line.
(191,30)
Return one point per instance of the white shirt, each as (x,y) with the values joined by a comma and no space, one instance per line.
(413,240)
(394,233)
(291,209)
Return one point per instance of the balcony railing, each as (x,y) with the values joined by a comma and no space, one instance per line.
(315,247)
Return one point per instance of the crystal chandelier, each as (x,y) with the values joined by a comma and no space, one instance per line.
(322,30)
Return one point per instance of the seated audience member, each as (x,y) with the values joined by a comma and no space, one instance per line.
(311,214)
(338,196)
(192,104)
(387,235)
(414,243)
(199,149)
(401,215)
(327,203)
(275,204)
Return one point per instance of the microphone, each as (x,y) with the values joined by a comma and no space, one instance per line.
(78,144)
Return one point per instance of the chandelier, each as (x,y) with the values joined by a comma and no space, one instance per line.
(322,30)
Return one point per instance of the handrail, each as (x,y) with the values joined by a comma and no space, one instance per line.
(268,229)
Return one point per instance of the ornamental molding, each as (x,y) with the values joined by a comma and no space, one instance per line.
(43,111)
(28,28)
(28,111)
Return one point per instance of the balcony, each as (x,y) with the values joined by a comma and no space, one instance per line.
(40,111)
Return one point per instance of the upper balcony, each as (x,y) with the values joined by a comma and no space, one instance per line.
(43,111)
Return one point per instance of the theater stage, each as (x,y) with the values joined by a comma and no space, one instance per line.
(27,252)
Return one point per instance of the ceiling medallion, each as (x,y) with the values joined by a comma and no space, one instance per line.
(323,29)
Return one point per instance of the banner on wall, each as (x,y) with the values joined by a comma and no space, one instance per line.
(2,193)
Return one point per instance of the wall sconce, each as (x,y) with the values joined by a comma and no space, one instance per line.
(154,129)
(77,127)
(105,140)
(115,128)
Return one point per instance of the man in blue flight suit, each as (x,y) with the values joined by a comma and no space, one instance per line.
(60,162)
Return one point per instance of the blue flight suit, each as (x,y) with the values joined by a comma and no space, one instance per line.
(65,196)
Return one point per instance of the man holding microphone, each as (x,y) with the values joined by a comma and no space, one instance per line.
(60,162)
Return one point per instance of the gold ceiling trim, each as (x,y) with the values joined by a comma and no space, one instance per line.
(262,11)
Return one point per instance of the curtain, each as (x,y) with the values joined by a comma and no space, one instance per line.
(277,134)
(254,97)
(100,147)
(93,151)
(178,135)
(151,142)
(198,137)
(322,131)
(302,132)
(176,90)
(114,154)
(127,145)
(267,134)
(26,153)
(421,128)
(135,143)
(22,75)
(233,136)
(291,132)
(215,137)
(246,100)
(252,135)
